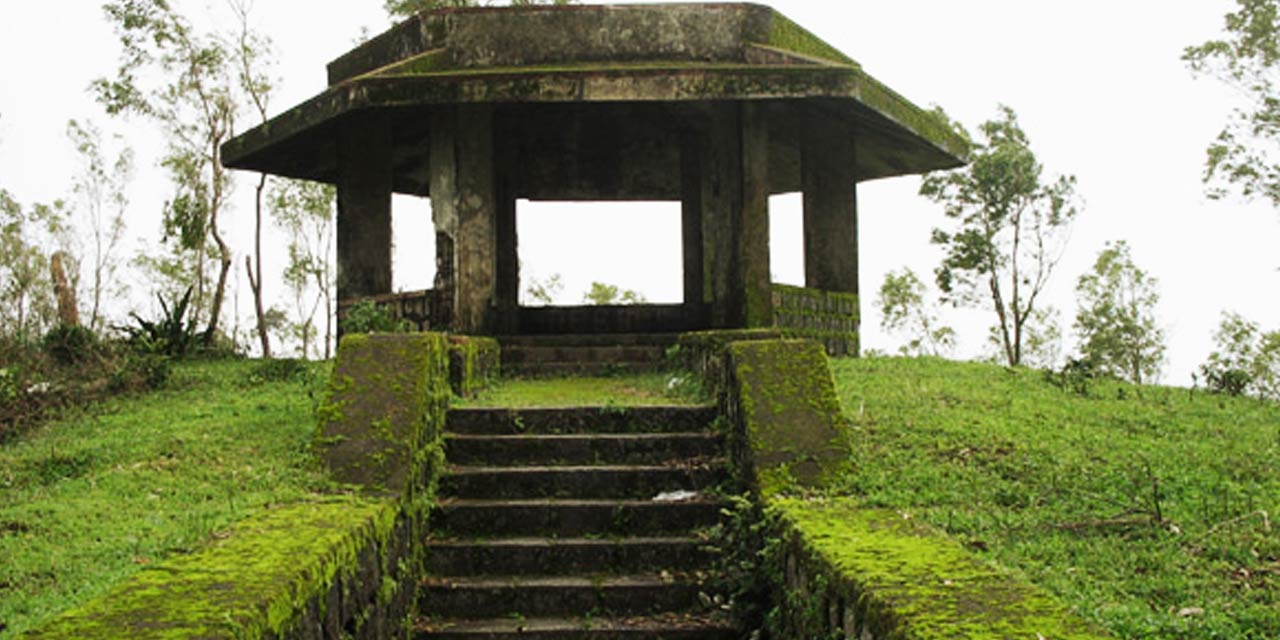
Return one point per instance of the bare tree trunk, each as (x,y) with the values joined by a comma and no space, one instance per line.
(68,316)
(255,275)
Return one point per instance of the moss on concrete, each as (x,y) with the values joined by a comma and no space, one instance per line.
(257,581)
(473,364)
(791,435)
(909,582)
(787,35)
(381,420)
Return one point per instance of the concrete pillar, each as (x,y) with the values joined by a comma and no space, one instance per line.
(735,216)
(830,210)
(363,233)
(464,205)
(753,243)
(691,229)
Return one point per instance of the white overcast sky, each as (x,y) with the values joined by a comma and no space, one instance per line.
(1098,86)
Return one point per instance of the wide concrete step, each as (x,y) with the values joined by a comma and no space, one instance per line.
(572,518)
(616,354)
(663,340)
(683,626)
(581,449)
(562,369)
(564,556)
(537,596)
(596,481)
(568,420)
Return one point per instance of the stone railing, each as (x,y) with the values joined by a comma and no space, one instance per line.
(426,310)
(827,317)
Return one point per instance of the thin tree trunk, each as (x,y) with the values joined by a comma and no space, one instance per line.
(255,281)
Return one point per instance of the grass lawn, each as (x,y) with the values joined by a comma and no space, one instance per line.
(624,389)
(86,501)
(1149,510)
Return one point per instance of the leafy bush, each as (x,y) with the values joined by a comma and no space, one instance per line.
(281,370)
(1246,360)
(1074,376)
(171,334)
(368,316)
(70,344)
(9,388)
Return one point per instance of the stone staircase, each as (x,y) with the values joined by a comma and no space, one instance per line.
(548,526)
(591,354)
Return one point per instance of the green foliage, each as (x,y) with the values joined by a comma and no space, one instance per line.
(70,345)
(1008,227)
(406,8)
(1246,360)
(140,372)
(903,310)
(28,236)
(305,211)
(601,294)
(1248,60)
(1128,504)
(545,292)
(748,561)
(147,477)
(1116,317)
(368,316)
(172,334)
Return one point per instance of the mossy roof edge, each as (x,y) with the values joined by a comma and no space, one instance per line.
(611,83)
(254,582)
(926,584)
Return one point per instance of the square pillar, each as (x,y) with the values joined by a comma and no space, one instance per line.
(828,176)
(363,229)
(691,242)
(735,216)
(465,212)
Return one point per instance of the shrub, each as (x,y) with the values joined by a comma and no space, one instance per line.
(170,334)
(70,344)
(368,316)
(139,372)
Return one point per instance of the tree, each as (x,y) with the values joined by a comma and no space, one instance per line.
(601,293)
(1245,360)
(195,102)
(1244,155)
(903,310)
(100,188)
(1008,232)
(406,8)
(545,292)
(27,238)
(1115,317)
(304,210)
(252,54)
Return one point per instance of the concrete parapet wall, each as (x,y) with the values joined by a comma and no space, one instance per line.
(834,567)
(342,566)
(828,317)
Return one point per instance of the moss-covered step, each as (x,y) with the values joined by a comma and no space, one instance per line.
(573,517)
(602,419)
(564,555)
(579,449)
(886,575)
(531,596)
(589,627)
(588,481)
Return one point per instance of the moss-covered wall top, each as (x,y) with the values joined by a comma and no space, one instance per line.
(903,580)
(250,584)
(382,416)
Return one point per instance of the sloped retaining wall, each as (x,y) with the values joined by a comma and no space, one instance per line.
(835,568)
(344,566)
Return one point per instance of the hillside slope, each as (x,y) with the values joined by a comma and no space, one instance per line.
(1147,509)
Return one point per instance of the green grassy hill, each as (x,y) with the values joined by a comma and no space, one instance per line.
(1147,509)
(86,501)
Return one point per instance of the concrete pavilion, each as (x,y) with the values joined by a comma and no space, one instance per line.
(717,106)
